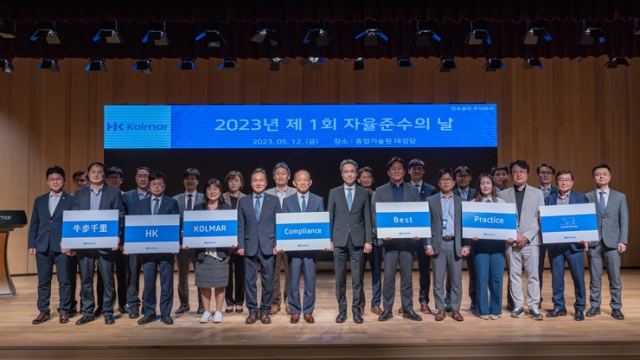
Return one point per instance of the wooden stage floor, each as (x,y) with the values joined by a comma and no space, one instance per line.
(600,337)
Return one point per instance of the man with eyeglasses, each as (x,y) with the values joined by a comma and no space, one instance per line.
(525,249)
(545,173)
(463,179)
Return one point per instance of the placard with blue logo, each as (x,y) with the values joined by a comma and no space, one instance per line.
(303,231)
(90,229)
(489,221)
(568,223)
(207,229)
(399,220)
(144,234)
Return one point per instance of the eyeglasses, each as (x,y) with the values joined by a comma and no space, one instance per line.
(546,173)
(564,181)
(463,176)
(446,180)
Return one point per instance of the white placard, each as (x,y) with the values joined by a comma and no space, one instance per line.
(208,229)
(90,229)
(403,220)
(489,221)
(152,234)
(568,223)
(303,231)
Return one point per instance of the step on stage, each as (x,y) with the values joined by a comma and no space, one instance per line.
(564,338)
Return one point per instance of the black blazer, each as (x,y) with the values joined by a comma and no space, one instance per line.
(222,252)
(254,234)
(45,230)
(111,200)
(168,206)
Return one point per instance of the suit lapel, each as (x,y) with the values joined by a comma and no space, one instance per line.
(63,199)
(297,204)
(163,204)
(104,199)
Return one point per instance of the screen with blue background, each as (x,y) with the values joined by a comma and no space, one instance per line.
(300,126)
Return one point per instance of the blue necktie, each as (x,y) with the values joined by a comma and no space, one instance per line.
(257,207)
(349,198)
(603,205)
(304,204)
(156,207)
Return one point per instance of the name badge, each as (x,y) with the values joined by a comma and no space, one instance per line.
(444,223)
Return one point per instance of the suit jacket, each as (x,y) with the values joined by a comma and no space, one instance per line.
(168,206)
(254,233)
(227,197)
(613,224)
(130,200)
(384,193)
(528,225)
(426,190)
(274,191)
(45,230)
(315,203)
(554,190)
(356,222)
(470,194)
(574,198)
(180,198)
(111,200)
(435,212)
(222,252)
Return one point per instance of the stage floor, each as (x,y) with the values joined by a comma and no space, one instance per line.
(599,337)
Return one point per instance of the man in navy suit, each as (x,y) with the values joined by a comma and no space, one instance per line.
(302,261)
(257,243)
(157,204)
(45,235)
(98,196)
(571,252)
(545,172)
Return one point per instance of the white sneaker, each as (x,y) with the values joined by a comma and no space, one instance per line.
(205,317)
(217,317)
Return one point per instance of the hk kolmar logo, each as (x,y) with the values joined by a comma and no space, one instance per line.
(123,126)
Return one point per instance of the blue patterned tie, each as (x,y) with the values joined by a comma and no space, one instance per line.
(349,198)
(257,207)
(603,205)
(304,204)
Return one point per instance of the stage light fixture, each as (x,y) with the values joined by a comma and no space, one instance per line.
(6,65)
(493,64)
(477,36)
(229,64)
(446,65)
(109,31)
(96,65)
(424,35)
(263,34)
(358,64)
(614,62)
(47,32)
(405,64)
(6,32)
(274,63)
(319,35)
(212,37)
(589,36)
(159,36)
(315,62)
(371,38)
(530,63)
(144,65)
(187,64)
(49,64)
(532,35)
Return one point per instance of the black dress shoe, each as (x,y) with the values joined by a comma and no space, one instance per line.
(167,320)
(386,315)
(579,316)
(556,313)
(357,318)
(200,309)
(98,312)
(182,309)
(617,314)
(342,317)
(147,319)
(593,312)
(134,312)
(85,319)
(124,310)
(109,320)
(73,312)
(411,315)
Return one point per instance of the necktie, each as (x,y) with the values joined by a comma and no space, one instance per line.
(190,202)
(417,185)
(603,205)
(257,207)
(156,207)
(349,198)
(304,204)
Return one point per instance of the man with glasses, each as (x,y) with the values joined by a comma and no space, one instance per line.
(463,179)
(545,173)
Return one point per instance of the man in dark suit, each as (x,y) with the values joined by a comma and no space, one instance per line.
(98,196)
(157,204)
(302,261)
(114,179)
(131,200)
(80,180)
(45,236)
(569,252)
(350,217)
(466,192)
(613,227)
(188,201)
(446,245)
(416,170)
(545,172)
(257,243)
(398,251)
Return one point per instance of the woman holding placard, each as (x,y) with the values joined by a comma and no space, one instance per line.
(489,259)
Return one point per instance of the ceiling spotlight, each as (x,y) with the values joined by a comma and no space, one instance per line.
(229,64)
(493,64)
(49,64)
(158,34)
(530,63)
(109,31)
(6,32)
(212,37)
(6,65)
(274,63)
(319,35)
(187,64)
(263,34)
(96,65)
(316,62)
(47,32)
(371,38)
(477,36)
(423,37)
(358,64)
(614,62)
(446,65)
(144,65)
(532,35)
(405,63)
(589,36)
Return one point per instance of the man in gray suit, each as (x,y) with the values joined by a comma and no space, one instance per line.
(302,261)
(281,176)
(397,250)
(350,217)
(257,243)
(613,228)
(525,250)
(446,245)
